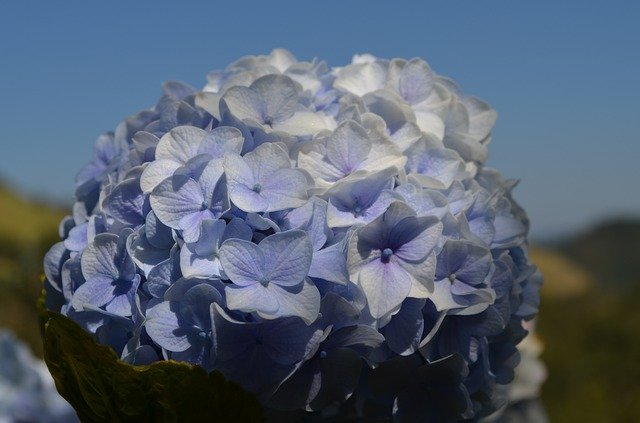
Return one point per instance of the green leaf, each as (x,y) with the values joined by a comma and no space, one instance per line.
(102,388)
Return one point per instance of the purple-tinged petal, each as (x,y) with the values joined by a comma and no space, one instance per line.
(96,292)
(126,202)
(252,298)
(284,189)
(416,237)
(176,198)
(242,261)
(53,261)
(385,286)
(330,264)
(98,259)
(163,327)
(404,332)
(180,144)
(289,340)
(245,103)
(279,95)
(302,301)
(220,141)
(287,257)
(156,172)
(77,239)
(347,147)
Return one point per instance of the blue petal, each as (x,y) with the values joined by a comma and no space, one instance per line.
(220,141)
(162,276)
(195,305)
(284,189)
(143,253)
(287,257)
(126,202)
(106,256)
(163,327)
(242,261)
(347,147)
(253,298)
(53,261)
(330,264)
(176,198)
(385,286)
(279,95)
(180,144)
(404,332)
(302,301)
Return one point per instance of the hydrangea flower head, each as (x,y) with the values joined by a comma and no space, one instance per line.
(27,391)
(329,238)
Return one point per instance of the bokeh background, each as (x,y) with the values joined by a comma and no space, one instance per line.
(563,76)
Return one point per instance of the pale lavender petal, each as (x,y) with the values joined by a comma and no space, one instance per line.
(220,141)
(385,285)
(245,103)
(330,264)
(302,301)
(243,262)
(162,326)
(279,95)
(284,189)
(156,172)
(252,298)
(180,144)
(95,292)
(176,198)
(287,257)
(348,146)
(126,202)
(416,237)
(98,258)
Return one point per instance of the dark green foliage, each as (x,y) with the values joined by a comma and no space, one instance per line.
(104,389)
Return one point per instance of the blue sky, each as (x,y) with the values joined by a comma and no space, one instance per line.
(564,77)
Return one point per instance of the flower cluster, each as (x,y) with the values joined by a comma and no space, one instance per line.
(329,238)
(27,392)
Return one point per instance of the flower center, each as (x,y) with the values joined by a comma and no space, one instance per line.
(323,354)
(452,277)
(268,120)
(264,281)
(257,188)
(357,207)
(386,255)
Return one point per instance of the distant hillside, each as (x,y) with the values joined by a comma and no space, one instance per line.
(24,221)
(589,324)
(610,252)
(27,229)
(563,277)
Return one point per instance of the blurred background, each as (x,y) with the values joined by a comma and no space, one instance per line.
(563,76)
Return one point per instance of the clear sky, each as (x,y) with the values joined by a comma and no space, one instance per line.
(564,77)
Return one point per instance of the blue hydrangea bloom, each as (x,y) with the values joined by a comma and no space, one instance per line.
(110,276)
(27,390)
(392,258)
(181,322)
(263,180)
(329,238)
(270,278)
